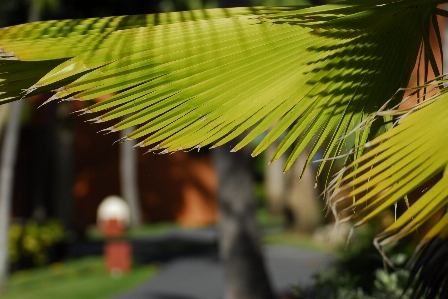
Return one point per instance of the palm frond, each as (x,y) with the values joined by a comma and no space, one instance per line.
(429,274)
(201,78)
(398,162)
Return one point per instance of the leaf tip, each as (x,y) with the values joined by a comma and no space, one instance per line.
(95,120)
(121,140)
(60,89)
(47,101)
(8,55)
(82,111)
(140,144)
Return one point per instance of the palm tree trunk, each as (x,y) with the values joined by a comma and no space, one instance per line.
(63,170)
(301,198)
(7,160)
(274,182)
(239,243)
(128,178)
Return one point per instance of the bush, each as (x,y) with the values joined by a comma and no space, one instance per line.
(360,273)
(332,284)
(30,243)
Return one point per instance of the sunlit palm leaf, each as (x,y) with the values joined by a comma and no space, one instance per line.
(64,39)
(201,78)
(400,161)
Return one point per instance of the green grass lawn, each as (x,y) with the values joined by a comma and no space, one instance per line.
(294,240)
(84,279)
(93,233)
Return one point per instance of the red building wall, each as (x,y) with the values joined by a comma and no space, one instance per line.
(180,187)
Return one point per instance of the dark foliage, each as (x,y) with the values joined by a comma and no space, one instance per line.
(430,271)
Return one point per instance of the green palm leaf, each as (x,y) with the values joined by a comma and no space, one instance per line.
(429,273)
(201,78)
(400,161)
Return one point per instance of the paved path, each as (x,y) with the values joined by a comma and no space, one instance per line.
(201,277)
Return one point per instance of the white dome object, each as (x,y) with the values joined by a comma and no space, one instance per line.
(114,207)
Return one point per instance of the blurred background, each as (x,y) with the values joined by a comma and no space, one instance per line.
(65,169)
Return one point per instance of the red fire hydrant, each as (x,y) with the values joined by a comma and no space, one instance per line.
(113,219)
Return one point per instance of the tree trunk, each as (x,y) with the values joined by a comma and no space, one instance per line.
(240,245)
(302,198)
(240,242)
(34,10)
(63,199)
(274,181)
(43,168)
(7,160)
(128,177)
(291,196)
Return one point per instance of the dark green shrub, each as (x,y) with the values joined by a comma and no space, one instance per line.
(29,243)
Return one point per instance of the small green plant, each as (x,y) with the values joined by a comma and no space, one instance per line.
(332,284)
(391,284)
(31,241)
(359,272)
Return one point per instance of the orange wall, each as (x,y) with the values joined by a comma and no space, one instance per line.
(179,187)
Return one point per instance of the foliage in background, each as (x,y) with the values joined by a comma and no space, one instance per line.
(360,273)
(30,243)
(333,284)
